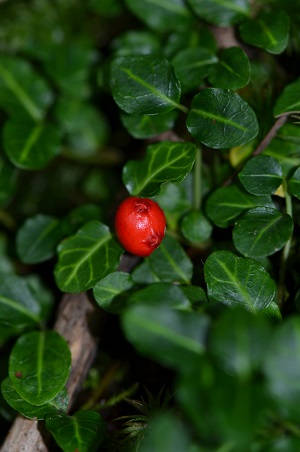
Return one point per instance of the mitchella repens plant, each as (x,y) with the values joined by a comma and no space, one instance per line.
(193,105)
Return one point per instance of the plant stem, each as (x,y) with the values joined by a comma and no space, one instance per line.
(183,108)
(286,250)
(197,173)
(271,134)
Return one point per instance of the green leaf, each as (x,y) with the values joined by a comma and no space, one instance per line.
(221,12)
(195,227)
(22,92)
(221,119)
(148,126)
(38,237)
(287,154)
(136,42)
(86,257)
(20,308)
(289,100)
(239,341)
(192,65)
(172,337)
(200,36)
(144,85)
(161,16)
(175,200)
(261,175)
(29,145)
(282,368)
(60,402)
(270,31)
(107,290)
(86,128)
(165,161)
(68,64)
(170,262)
(84,431)
(232,70)
(39,366)
(143,274)
(294,183)
(225,204)
(238,281)
(261,232)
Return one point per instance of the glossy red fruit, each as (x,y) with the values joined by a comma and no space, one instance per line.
(140,225)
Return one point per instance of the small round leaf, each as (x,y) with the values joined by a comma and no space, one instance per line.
(232,70)
(196,227)
(294,183)
(261,175)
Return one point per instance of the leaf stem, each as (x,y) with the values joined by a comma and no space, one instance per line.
(282,292)
(183,108)
(197,173)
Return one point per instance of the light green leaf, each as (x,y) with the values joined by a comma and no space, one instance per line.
(232,70)
(161,16)
(238,281)
(221,12)
(170,262)
(29,145)
(86,257)
(195,227)
(136,42)
(225,204)
(165,161)
(221,119)
(60,402)
(84,431)
(262,232)
(261,175)
(22,92)
(289,100)
(144,85)
(39,366)
(270,31)
(38,237)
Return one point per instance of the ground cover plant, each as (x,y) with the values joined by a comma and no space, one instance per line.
(191,104)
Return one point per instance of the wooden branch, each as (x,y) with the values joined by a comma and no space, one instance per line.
(76,319)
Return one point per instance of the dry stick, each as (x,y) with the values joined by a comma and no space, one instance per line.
(75,319)
(271,134)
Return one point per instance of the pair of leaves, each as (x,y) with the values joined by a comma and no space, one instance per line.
(147,85)
(39,366)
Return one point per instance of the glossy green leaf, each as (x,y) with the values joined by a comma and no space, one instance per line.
(161,16)
(165,161)
(20,307)
(282,368)
(221,119)
(143,274)
(39,366)
(175,201)
(184,38)
(84,431)
(68,64)
(261,175)
(192,65)
(195,294)
(60,402)
(86,129)
(232,70)
(23,93)
(107,290)
(262,231)
(286,152)
(144,85)
(8,179)
(238,281)
(225,204)
(239,341)
(294,183)
(289,99)
(172,337)
(270,31)
(170,262)
(29,145)
(38,237)
(148,126)
(86,257)
(195,227)
(220,12)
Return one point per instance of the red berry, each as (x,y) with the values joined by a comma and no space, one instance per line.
(140,225)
